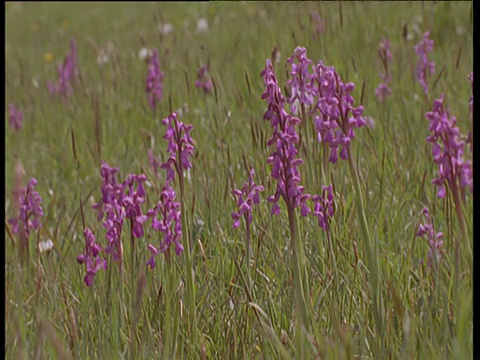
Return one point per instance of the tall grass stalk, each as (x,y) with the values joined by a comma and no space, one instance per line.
(461,219)
(133,335)
(188,264)
(168,348)
(120,312)
(248,252)
(370,248)
(301,327)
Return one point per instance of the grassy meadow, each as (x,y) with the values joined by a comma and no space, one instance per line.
(217,300)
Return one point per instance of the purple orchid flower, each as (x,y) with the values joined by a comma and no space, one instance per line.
(15,118)
(154,81)
(91,257)
(448,151)
(424,65)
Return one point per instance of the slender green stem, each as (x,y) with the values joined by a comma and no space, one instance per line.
(458,210)
(132,294)
(189,266)
(121,285)
(300,303)
(167,330)
(85,323)
(467,253)
(332,253)
(370,249)
(248,252)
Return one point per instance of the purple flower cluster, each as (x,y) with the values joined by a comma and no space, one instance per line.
(15,117)
(323,208)
(90,258)
(300,80)
(336,116)
(120,201)
(30,210)
(203,82)
(448,150)
(318,24)
(383,91)
(319,91)
(111,205)
(154,81)
(246,197)
(328,100)
(132,200)
(180,146)
(67,73)
(424,65)
(170,224)
(283,159)
(434,239)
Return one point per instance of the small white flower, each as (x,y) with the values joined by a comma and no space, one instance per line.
(50,192)
(416,28)
(418,19)
(144,53)
(277,57)
(182,110)
(187,174)
(102,57)
(370,122)
(166,28)
(35,83)
(45,245)
(199,222)
(202,25)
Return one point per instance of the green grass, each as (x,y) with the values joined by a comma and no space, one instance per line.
(49,311)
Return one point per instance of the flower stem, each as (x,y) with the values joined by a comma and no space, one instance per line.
(189,267)
(122,299)
(248,252)
(132,294)
(461,219)
(300,303)
(167,331)
(332,253)
(371,250)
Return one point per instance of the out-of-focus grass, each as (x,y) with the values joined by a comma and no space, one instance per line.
(427,316)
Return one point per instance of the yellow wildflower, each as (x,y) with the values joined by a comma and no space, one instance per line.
(48,57)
